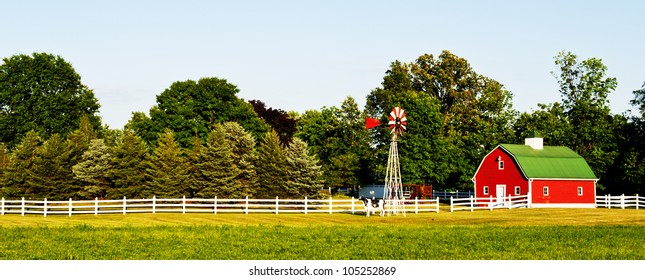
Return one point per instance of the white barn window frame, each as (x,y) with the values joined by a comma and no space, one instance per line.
(486,190)
(579,191)
(545,190)
(517,190)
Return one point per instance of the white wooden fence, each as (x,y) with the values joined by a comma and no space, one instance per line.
(621,201)
(489,203)
(199,205)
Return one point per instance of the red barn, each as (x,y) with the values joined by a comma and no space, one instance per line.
(552,176)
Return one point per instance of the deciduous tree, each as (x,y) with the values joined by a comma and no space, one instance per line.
(475,113)
(42,92)
(190,108)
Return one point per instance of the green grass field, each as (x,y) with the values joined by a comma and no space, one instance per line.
(598,234)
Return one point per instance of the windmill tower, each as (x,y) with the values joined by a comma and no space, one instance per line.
(393,192)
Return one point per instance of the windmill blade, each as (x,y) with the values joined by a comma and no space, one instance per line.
(392,115)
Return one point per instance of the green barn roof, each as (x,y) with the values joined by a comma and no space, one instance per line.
(550,162)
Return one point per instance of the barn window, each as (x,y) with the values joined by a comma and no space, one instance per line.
(485,189)
(579,191)
(500,165)
(545,191)
(517,190)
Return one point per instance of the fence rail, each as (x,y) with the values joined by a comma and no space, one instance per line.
(622,201)
(199,205)
(489,203)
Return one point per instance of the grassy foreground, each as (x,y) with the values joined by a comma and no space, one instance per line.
(501,234)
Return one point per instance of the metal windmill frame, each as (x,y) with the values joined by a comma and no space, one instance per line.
(393,190)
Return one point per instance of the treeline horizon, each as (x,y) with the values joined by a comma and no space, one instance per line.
(54,144)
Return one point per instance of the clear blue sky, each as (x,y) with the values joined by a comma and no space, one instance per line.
(300,55)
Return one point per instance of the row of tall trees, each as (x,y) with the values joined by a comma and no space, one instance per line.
(227,164)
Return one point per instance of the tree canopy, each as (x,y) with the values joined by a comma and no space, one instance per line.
(43,93)
(472,114)
(193,108)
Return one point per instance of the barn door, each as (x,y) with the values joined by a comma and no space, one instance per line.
(501,193)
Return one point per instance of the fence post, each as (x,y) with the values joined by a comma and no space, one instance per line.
(607,201)
(305,205)
(437,205)
(45,207)
(246,205)
(124,205)
(154,204)
(491,203)
(183,205)
(2,206)
(215,205)
(276,205)
(416,205)
(622,201)
(472,204)
(451,204)
(22,207)
(509,202)
(96,206)
(330,201)
(352,205)
(457,194)
(638,201)
(70,207)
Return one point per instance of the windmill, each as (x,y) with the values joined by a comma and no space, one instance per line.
(393,189)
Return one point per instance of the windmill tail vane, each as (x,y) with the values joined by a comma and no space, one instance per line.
(371,123)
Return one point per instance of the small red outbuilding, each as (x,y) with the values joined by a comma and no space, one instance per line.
(551,176)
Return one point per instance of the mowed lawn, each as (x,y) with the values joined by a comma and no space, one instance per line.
(535,234)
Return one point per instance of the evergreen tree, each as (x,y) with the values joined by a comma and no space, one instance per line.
(271,167)
(93,171)
(303,170)
(194,157)
(216,171)
(21,162)
(78,143)
(4,163)
(244,157)
(168,171)
(130,162)
(49,177)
